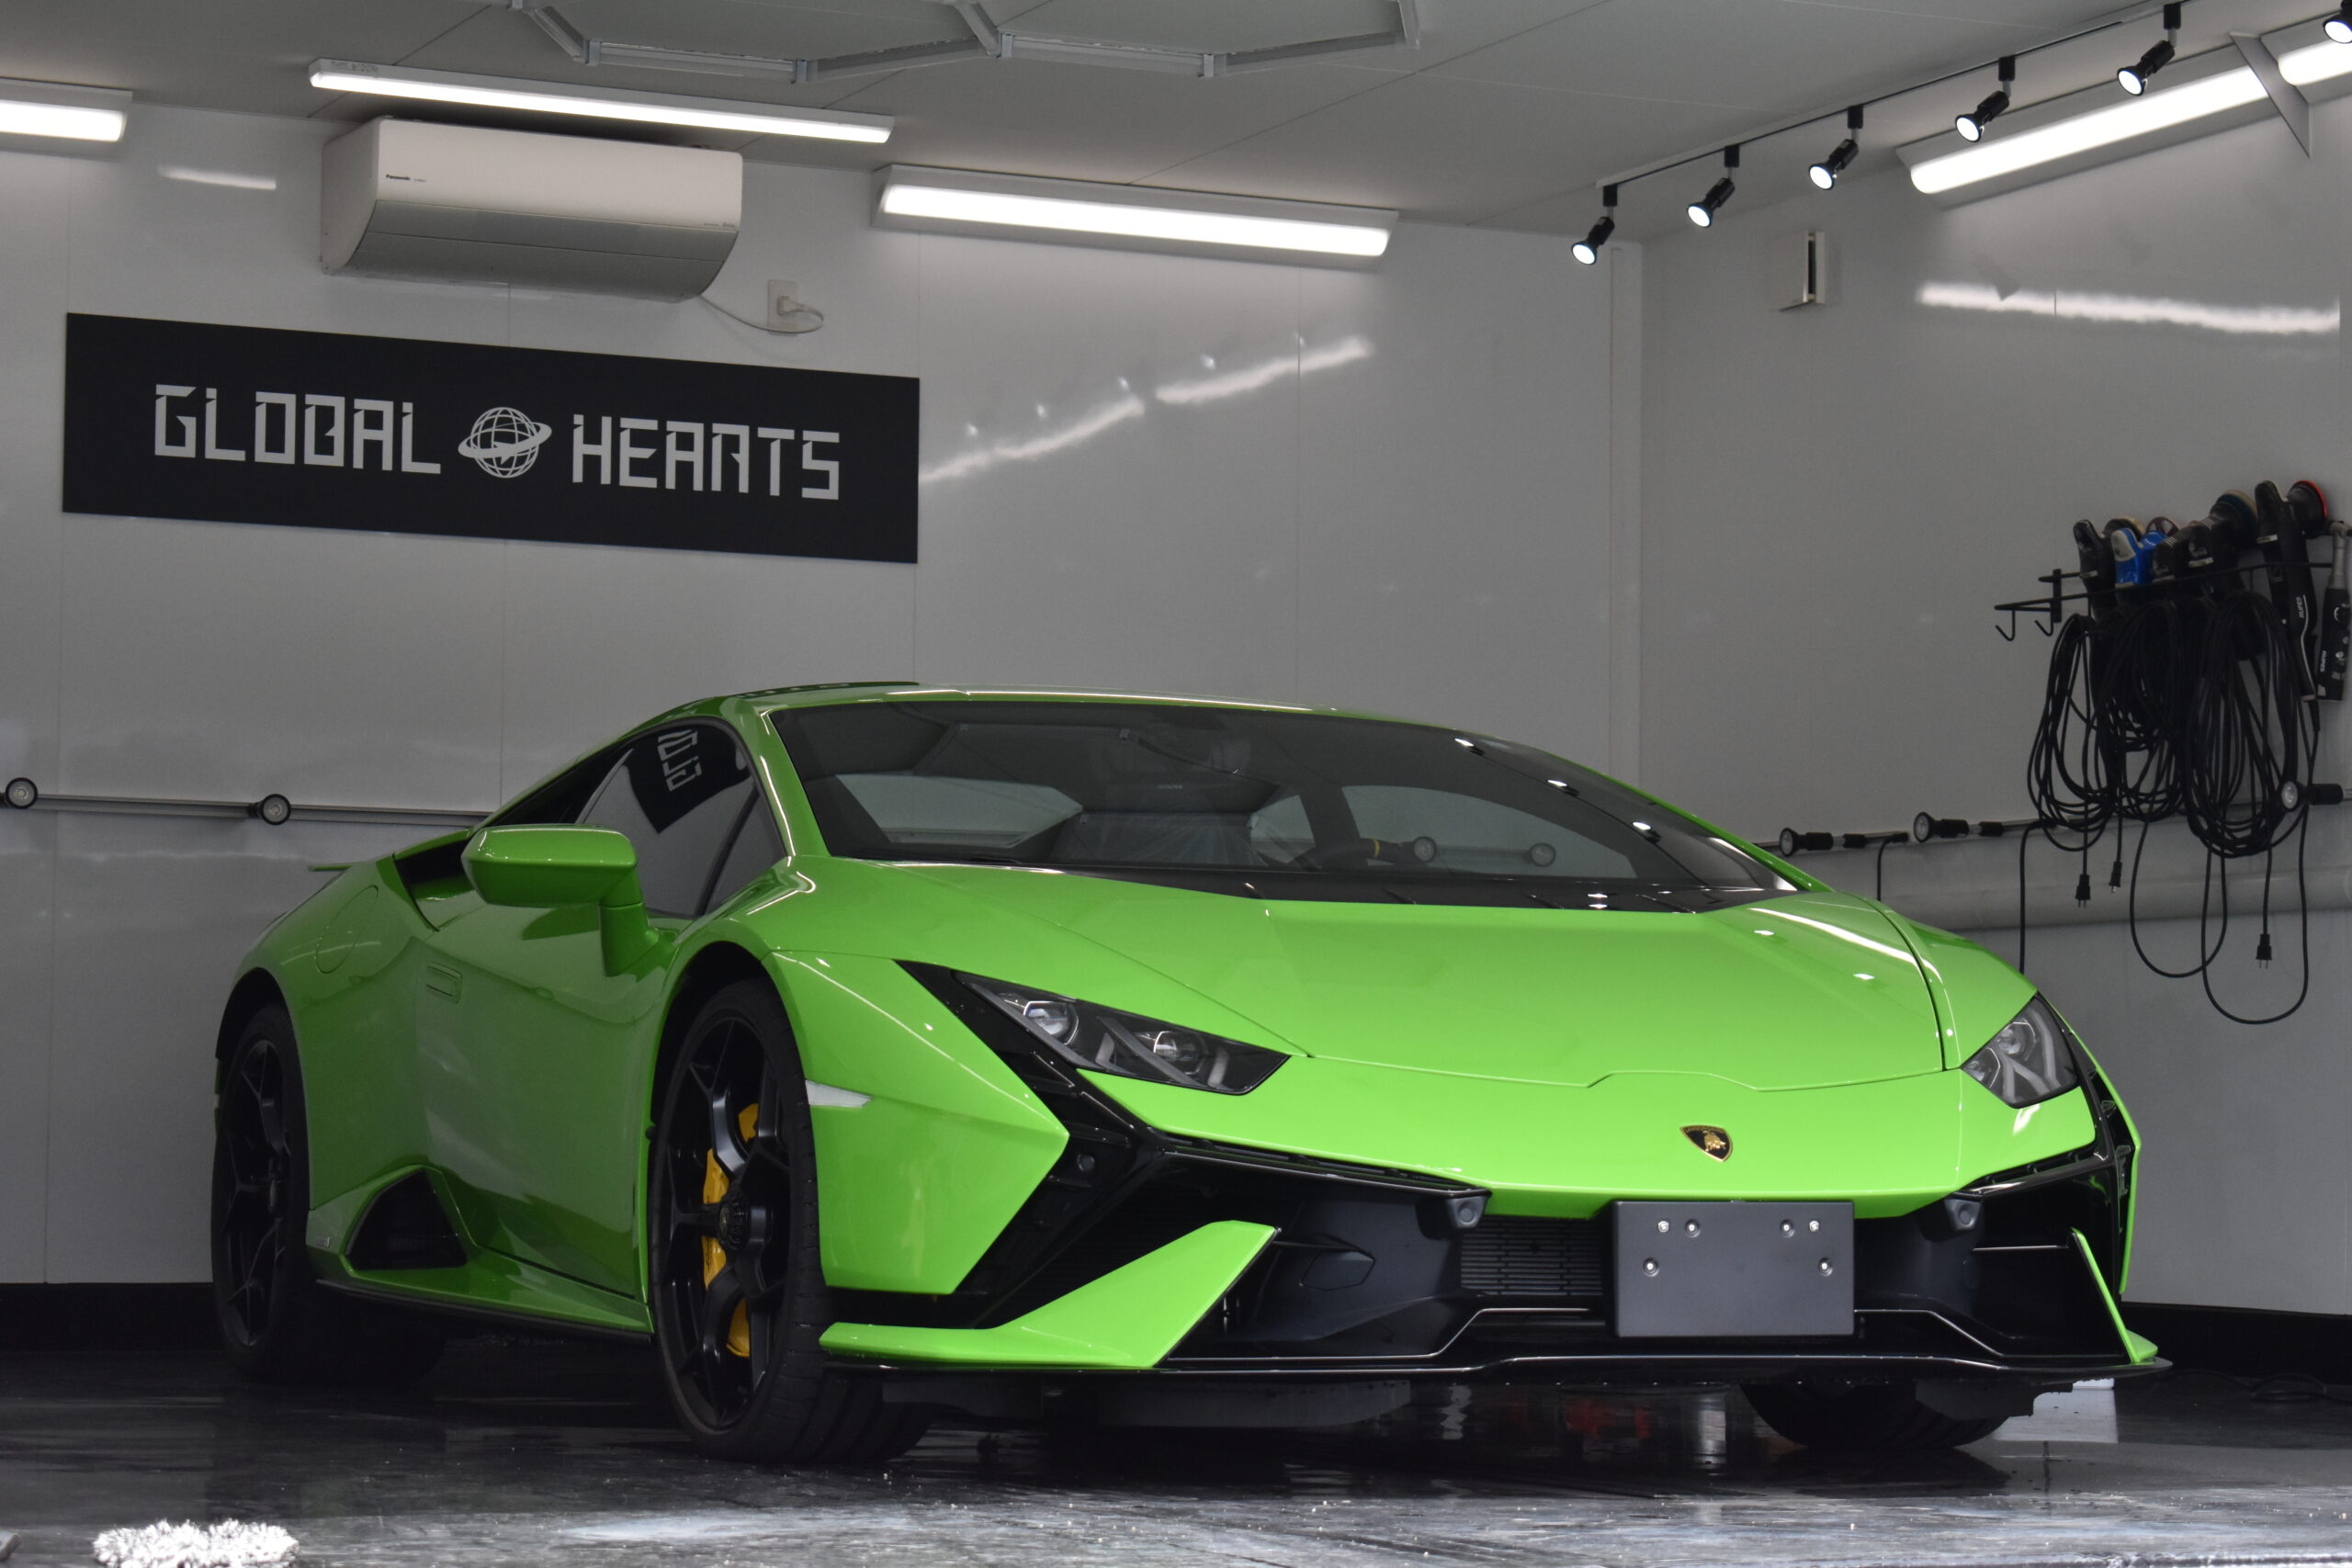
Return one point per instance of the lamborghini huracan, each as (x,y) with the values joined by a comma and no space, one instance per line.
(879,1050)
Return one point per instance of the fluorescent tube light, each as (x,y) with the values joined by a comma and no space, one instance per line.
(1135,222)
(2150,112)
(63,110)
(596,103)
(2317,63)
(60,119)
(2156,112)
(959,201)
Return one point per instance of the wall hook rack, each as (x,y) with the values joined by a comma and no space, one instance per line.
(2050,607)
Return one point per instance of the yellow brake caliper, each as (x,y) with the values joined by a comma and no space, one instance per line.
(714,1256)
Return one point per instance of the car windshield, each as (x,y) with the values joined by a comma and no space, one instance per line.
(1130,788)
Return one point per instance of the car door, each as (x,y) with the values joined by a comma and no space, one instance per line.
(543,1055)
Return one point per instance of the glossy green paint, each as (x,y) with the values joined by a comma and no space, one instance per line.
(489,1280)
(546,867)
(1810,988)
(914,1185)
(1551,1056)
(1125,1321)
(534,1081)
(555,868)
(1891,1146)
(2139,1349)
(2132,1193)
(1976,993)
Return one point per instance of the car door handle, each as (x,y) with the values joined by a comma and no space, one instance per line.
(443,980)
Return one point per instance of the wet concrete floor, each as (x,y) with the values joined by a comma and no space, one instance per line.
(521,1453)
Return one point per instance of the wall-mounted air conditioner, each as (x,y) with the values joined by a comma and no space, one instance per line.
(405,199)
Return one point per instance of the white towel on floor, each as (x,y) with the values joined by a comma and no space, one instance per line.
(228,1544)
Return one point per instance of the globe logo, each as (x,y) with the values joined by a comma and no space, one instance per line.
(505,443)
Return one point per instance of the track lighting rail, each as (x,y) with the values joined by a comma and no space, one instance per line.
(2133,78)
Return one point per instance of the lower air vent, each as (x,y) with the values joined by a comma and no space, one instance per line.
(406,1228)
(1508,1254)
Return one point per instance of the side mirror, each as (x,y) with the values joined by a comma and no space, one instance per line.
(553,867)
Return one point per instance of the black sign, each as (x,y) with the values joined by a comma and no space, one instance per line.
(325,430)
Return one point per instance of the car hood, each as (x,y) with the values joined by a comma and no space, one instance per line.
(1803,990)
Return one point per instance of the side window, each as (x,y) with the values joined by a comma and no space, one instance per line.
(559,799)
(678,794)
(755,848)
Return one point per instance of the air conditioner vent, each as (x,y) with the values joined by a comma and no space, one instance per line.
(406,199)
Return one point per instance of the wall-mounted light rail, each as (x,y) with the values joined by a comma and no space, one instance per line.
(274,810)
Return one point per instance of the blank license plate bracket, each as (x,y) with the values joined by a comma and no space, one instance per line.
(1734,1270)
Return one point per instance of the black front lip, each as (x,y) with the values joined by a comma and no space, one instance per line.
(1701,1363)
(1692,1369)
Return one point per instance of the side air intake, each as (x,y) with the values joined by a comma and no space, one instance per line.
(405,1227)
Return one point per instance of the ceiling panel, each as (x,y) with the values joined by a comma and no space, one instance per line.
(764,28)
(1772,56)
(1209,25)
(505,43)
(250,56)
(2033,16)
(1451,150)
(1071,122)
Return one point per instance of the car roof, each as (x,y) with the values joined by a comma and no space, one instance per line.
(836,693)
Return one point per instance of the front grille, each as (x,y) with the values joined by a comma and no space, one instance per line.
(1509,1254)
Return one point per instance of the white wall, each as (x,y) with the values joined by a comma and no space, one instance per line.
(1420,525)
(1834,497)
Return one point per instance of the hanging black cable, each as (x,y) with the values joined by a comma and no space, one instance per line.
(2023,840)
(2205,955)
(2303,898)
(2184,691)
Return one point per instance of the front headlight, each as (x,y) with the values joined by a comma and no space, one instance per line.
(2030,1060)
(1103,1040)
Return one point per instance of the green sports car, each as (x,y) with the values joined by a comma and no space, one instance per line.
(874,1050)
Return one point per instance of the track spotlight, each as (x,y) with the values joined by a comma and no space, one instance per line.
(2136,76)
(1825,173)
(1972,125)
(2339,27)
(1703,212)
(1587,249)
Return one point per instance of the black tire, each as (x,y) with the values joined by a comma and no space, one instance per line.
(276,1323)
(1865,1418)
(739,1289)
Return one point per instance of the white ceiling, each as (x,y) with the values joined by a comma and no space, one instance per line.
(1505,115)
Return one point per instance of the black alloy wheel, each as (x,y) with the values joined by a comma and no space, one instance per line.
(252,1186)
(276,1323)
(738,1295)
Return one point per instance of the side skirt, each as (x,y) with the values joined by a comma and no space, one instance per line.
(488,1314)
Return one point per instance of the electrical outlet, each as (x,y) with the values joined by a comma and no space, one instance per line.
(786,313)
